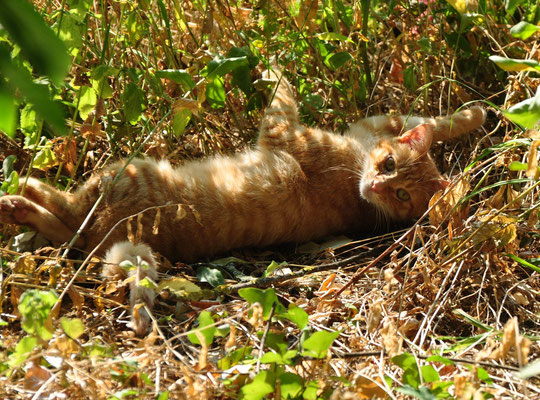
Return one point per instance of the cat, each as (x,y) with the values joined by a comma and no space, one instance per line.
(297,184)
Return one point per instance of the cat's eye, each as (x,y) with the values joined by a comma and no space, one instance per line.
(389,164)
(403,195)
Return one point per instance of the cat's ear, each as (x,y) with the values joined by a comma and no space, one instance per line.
(419,138)
(441,184)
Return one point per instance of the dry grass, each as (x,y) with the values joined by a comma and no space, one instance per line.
(448,285)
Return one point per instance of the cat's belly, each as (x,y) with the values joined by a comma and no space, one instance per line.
(202,212)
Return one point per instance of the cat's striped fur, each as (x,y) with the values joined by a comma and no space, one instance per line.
(297,184)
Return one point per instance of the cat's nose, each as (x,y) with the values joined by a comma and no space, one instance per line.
(376,187)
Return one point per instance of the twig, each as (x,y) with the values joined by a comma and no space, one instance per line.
(264,336)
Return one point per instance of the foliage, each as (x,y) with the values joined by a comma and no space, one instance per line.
(84,82)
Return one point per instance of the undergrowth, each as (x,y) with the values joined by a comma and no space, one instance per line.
(447,308)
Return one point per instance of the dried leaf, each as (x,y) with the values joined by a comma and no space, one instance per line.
(130,236)
(231,341)
(180,212)
(179,286)
(203,355)
(155,227)
(391,341)
(186,104)
(512,339)
(138,235)
(25,264)
(367,388)
(374,316)
(532,164)
(446,202)
(76,298)
(501,230)
(35,378)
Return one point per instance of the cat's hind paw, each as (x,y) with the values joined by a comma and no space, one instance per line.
(16,210)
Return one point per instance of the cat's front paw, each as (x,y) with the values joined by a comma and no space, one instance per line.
(15,210)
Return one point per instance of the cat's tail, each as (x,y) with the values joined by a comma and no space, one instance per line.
(281,116)
(453,126)
(136,265)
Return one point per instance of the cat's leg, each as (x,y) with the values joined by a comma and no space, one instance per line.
(19,210)
(453,126)
(55,214)
(281,117)
(141,264)
(371,129)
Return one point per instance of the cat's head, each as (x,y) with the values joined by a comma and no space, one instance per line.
(399,177)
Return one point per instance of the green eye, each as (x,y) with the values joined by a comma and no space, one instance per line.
(389,164)
(403,195)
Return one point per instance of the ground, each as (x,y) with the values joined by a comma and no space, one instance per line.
(447,308)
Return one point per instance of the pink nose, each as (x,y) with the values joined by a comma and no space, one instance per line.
(376,187)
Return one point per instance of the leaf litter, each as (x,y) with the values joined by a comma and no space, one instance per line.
(459,286)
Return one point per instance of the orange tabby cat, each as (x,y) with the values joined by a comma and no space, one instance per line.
(297,184)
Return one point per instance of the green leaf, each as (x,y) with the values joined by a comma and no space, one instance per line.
(422,393)
(7,165)
(38,43)
(133,99)
(215,93)
(163,396)
(99,77)
(87,101)
(484,376)
(411,374)
(8,116)
(517,166)
(513,64)
(79,9)
(441,359)
(29,120)
(317,345)
(467,317)
(263,384)
(205,319)
(73,327)
(272,267)
(291,385)
(179,76)
(266,298)
(220,66)
(297,315)
(147,283)
(70,33)
(180,121)
(11,184)
(211,275)
(511,5)
(36,94)
(525,113)
(429,374)
(23,349)
(523,262)
(409,78)
(523,30)
(337,60)
(271,357)
(310,392)
(35,306)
